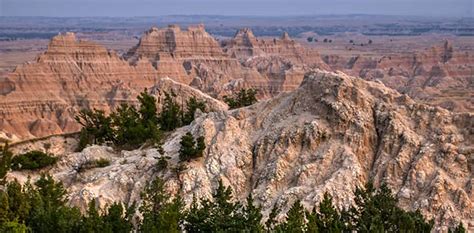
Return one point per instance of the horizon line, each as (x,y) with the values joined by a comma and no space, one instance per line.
(244,16)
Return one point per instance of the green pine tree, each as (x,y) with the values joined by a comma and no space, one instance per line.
(271,222)
(328,218)
(295,219)
(5,162)
(459,229)
(49,212)
(187,149)
(13,227)
(19,206)
(161,212)
(170,116)
(198,217)
(225,214)
(377,211)
(312,218)
(129,130)
(4,208)
(148,110)
(191,148)
(245,97)
(96,127)
(200,147)
(219,215)
(116,221)
(252,216)
(367,215)
(92,222)
(191,106)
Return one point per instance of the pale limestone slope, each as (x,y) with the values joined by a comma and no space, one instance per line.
(331,134)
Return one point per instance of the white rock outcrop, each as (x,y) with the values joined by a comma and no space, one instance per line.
(333,133)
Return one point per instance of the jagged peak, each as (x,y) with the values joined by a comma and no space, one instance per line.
(448,44)
(153,29)
(245,36)
(285,36)
(197,28)
(174,27)
(62,38)
(244,32)
(320,81)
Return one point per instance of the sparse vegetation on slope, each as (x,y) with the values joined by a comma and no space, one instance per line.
(191,148)
(32,160)
(243,98)
(5,162)
(129,128)
(101,162)
(192,105)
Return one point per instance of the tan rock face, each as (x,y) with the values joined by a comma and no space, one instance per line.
(333,133)
(41,98)
(192,57)
(193,42)
(245,45)
(439,76)
(70,75)
(283,62)
(183,93)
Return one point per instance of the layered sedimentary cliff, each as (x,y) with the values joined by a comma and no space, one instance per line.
(439,76)
(331,134)
(282,61)
(192,57)
(245,45)
(41,98)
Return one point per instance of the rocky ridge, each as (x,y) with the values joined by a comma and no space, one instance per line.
(331,134)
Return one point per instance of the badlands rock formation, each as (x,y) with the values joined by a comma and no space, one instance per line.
(245,45)
(439,76)
(192,57)
(282,61)
(333,133)
(183,93)
(41,98)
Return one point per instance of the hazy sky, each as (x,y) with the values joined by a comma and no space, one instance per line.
(460,8)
